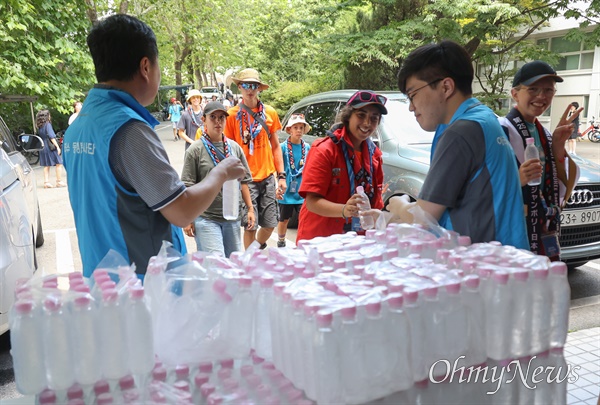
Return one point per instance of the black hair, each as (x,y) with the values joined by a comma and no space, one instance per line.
(118,44)
(437,61)
(575,104)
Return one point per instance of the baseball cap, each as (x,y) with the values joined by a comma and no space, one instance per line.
(533,71)
(214,106)
(172,99)
(363,98)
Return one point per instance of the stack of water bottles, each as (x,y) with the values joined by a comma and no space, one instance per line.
(74,337)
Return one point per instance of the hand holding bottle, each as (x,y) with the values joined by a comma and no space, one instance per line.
(529,170)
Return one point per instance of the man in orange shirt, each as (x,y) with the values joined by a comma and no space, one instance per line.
(254,125)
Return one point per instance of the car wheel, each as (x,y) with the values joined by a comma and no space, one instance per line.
(573,266)
(39,235)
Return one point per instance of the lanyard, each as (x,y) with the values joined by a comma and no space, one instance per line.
(350,166)
(295,172)
(214,153)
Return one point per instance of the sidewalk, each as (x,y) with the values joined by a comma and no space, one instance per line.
(583,350)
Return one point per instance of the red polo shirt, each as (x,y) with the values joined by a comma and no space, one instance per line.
(326,174)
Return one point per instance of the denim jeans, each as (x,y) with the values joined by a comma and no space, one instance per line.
(218,237)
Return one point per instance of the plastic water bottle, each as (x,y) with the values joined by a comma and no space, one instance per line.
(84,334)
(454,318)
(140,341)
(376,358)
(238,321)
(326,356)
(561,297)
(366,221)
(399,341)
(57,345)
(521,333)
(532,152)
(231,200)
(414,310)
(498,322)
(27,347)
(263,318)
(473,303)
(541,307)
(113,341)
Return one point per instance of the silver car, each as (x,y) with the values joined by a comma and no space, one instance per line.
(406,149)
(20,222)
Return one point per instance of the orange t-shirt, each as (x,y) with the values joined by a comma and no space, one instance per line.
(261,163)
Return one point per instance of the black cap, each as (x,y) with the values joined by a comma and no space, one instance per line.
(215,106)
(533,71)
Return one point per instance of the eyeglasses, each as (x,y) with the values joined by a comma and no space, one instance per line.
(250,86)
(301,116)
(217,117)
(414,93)
(366,97)
(535,91)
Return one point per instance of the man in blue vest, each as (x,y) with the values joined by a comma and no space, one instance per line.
(125,194)
(473,183)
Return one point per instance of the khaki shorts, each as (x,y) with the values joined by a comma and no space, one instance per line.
(262,194)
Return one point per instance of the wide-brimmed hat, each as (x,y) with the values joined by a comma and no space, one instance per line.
(364,98)
(298,119)
(249,76)
(193,93)
(531,72)
(214,106)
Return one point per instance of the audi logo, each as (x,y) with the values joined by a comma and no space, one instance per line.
(584,196)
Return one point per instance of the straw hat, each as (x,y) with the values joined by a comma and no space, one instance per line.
(249,76)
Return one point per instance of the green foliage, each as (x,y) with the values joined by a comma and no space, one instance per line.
(43,52)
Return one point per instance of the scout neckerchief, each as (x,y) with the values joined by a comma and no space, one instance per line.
(214,153)
(542,201)
(296,172)
(195,119)
(359,173)
(249,127)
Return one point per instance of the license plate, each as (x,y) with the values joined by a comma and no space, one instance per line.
(580,217)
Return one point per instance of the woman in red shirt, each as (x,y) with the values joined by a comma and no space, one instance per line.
(337,164)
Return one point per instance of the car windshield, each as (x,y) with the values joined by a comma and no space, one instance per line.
(400,123)
(210,90)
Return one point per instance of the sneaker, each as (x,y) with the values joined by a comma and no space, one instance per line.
(281,243)
(263,246)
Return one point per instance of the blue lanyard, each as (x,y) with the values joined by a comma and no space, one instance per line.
(350,167)
(210,148)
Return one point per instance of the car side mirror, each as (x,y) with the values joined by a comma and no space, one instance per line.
(31,143)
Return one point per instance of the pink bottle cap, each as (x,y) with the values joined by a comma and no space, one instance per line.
(485,272)
(299,268)
(245,281)
(263,392)
(324,319)
(442,255)
(293,395)
(182,385)
(541,274)
(104,398)
(126,382)
(52,304)
(215,399)
(253,380)
(416,247)
(256,359)
(266,281)
(472,281)
(267,365)
(101,387)
(453,288)
(501,277)
(287,276)
(411,296)
(205,367)
(224,373)
(75,275)
(310,308)
(227,363)
(373,308)
(82,301)
(82,288)
(159,374)
(396,301)
(47,397)
(24,306)
(521,275)
(219,285)
(110,295)
(308,273)
(137,292)
(559,268)
(430,292)
(207,389)
(75,391)
(201,379)
(454,262)
(230,384)
(246,370)
(464,241)
(107,284)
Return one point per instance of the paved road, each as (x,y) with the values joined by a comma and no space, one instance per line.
(60,253)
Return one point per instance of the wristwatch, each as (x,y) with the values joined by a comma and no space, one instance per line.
(281,175)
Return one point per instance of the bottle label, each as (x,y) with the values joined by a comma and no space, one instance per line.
(356,224)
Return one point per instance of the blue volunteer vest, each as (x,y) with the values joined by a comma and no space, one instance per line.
(509,216)
(106,215)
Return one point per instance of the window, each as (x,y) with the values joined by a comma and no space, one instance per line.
(576,55)
(320,117)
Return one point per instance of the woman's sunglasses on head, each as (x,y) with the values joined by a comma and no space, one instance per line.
(367,97)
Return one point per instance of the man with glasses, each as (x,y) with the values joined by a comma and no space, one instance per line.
(533,91)
(254,125)
(473,184)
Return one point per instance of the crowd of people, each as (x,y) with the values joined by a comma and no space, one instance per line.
(127,196)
